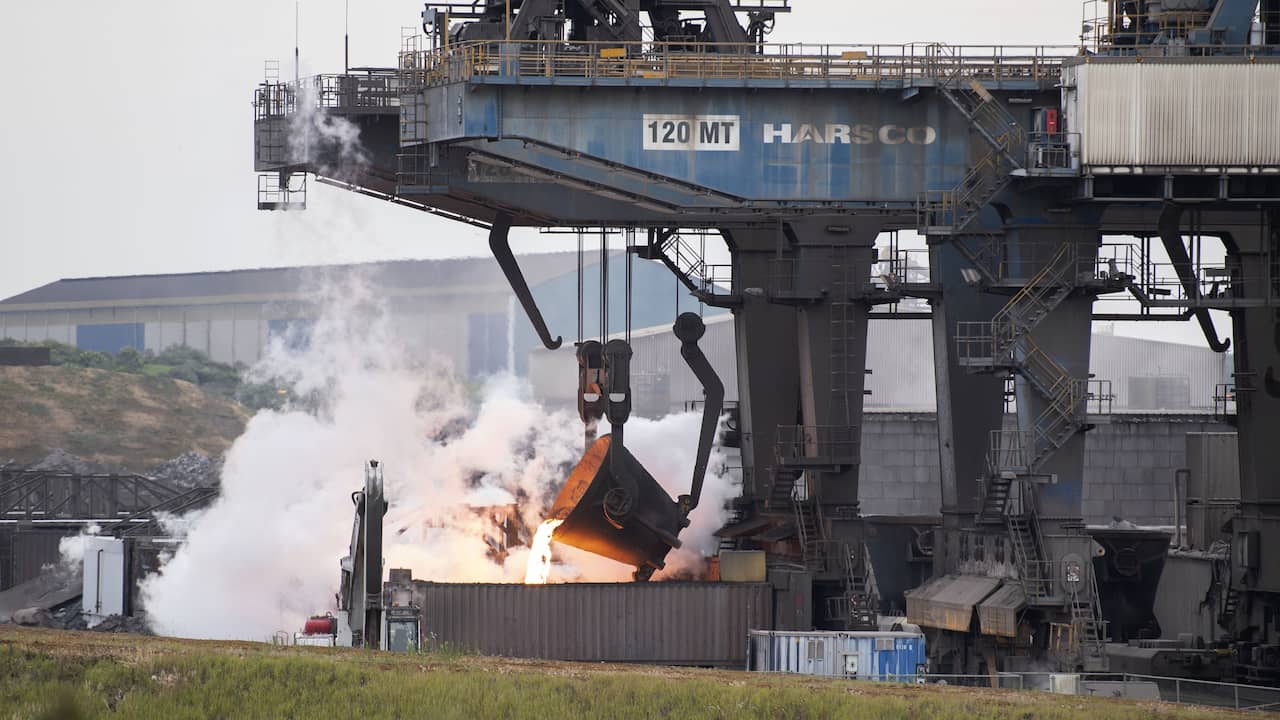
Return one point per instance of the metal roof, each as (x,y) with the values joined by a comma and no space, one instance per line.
(998,614)
(947,602)
(283,282)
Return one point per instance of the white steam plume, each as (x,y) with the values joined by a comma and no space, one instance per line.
(265,555)
(329,143)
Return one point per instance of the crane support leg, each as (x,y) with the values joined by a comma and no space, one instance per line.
(970,406)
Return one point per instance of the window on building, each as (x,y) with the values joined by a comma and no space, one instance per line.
(112,337)
(486,343)
(294,333)
(1160,393)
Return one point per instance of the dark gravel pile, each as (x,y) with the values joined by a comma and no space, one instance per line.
(185,471)
(189,470)
(59,460)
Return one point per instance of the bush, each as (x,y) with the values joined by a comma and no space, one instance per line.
(260,396)
(186,374)
(178,362)
(93,359)
(129,360)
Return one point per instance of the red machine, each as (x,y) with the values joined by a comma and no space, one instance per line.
(321,625)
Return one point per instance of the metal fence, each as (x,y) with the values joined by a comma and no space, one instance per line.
(369,91)
(1213,694)
(729,61)
(1180,691)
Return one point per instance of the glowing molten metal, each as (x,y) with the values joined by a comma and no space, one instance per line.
(540,556)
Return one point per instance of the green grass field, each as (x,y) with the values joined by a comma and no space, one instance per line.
(54,674)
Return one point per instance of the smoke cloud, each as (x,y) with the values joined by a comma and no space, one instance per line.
(265,555)
(329,143)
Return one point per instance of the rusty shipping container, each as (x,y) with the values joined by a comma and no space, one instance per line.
(670,623)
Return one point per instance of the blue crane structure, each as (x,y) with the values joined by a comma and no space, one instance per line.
(1042,179)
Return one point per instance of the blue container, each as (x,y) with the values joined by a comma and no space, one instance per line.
(882,656)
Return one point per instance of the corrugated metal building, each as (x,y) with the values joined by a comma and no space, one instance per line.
(1145,375)
(670,623)
(461,308)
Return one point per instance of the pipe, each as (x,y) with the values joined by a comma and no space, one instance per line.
(500,246)
(1179,510)
(689,328)
(1171,237)
(97,593)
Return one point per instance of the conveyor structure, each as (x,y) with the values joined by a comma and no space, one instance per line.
(1044,179)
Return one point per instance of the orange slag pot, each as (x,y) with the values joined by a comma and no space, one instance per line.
(612,506)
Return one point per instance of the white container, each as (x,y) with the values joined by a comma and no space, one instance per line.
(1192,114)
(106,588)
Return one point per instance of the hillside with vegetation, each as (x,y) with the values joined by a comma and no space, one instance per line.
(47,673)
(129,411)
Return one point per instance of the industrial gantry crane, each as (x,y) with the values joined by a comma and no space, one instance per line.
(1041,179)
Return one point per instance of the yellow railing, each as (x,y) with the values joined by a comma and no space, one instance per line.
(728,61)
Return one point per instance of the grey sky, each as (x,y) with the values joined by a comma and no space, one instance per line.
(126,144)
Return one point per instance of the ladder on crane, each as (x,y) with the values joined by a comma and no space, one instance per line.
(950,212)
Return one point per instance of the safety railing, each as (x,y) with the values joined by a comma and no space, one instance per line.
(1010,451)
(1108,25)
(1181,691)
(1100,397)
(716,279)
(1124,266)
(1053,151)
(282,192)
(902,267)
(372,90)
(1236,696)
(1224,400)
(731,61)
(983,343)
(1116,29)
(956,207)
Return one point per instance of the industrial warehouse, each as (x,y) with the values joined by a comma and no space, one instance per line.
(866,362)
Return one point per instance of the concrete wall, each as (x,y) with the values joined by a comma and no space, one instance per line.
(900,471)
(1129,465)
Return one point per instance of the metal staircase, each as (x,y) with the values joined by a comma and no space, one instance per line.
(809,531)
(995,498)
(1230,606)
(1029,555)
(782,494)
(735,517)
(1087,623)
(710,284)
(1005,343)
(951,211)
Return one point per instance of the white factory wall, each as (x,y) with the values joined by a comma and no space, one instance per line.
(900,357)
(1145,375)
(240,332)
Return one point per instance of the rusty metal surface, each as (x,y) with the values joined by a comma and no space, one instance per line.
(998,614)
(704,624)
(947,602)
